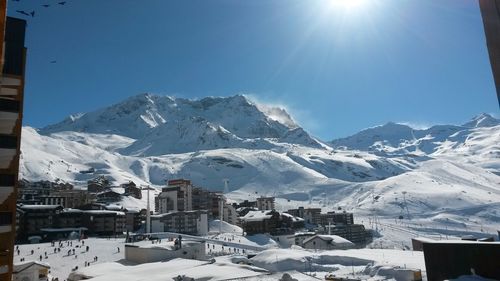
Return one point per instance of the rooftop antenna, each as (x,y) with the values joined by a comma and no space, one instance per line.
(226,186)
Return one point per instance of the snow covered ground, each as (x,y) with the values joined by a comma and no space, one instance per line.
(441,182)
(228,266)
(106,250)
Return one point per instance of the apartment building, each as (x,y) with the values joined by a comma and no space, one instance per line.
(265,203)
(13,58)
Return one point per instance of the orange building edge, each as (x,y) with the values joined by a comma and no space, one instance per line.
(13,61)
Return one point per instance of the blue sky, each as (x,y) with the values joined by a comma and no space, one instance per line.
(337,68)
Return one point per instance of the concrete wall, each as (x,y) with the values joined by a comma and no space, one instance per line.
(139,254)
(202,225)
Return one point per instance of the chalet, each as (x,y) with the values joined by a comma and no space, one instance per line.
(260,222)
(99,184)
(108,196)
(242,211)
(130,189)
(327,242)
(30,271)
(270,222)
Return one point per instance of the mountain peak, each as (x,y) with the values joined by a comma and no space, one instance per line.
(482,120)
(139,116)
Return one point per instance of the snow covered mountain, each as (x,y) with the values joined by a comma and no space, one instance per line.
(163,124)
(261,150)
(397,140)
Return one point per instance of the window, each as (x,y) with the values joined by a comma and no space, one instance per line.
(5,218)
(8,141)
(9,105)
(7,180)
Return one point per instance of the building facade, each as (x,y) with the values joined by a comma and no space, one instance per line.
(177,196)
(265,203)
(13,60)
(187,222)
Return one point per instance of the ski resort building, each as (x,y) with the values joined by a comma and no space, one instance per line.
(355,233)
(145,252)
(131,189)
(187,222)
(31,271)
(265,203)
(310,215)
(49,220)
(67,198)
(32,218)
(12,64)
(271,222)
(177,196)
(229,214)
(327,242)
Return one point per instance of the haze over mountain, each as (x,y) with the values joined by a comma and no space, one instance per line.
(261,150)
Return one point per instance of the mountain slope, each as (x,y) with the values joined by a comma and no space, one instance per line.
(149,139)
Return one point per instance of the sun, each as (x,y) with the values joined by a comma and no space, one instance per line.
(349,5)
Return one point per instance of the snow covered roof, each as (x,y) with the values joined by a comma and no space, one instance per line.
(304,234)
(333,239)
(39,207)
(159,271)
(294,218)
(257,216)
(66,229)
(168,245)
(70,210)
(102,212)
(114,207)
(19,267)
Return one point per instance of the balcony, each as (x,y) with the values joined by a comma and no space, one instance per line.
(9,82)
(8,150)
(10,92)
(5,222)
(9,114)
(7,182)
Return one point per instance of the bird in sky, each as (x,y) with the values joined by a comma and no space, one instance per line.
(46,5)
(54,61)
(32,14)
(22,12)
(62,3)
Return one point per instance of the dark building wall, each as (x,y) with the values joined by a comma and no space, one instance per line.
(14,46)
(490,10)
(450,260)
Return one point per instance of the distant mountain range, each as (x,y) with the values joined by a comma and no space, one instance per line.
(261,150)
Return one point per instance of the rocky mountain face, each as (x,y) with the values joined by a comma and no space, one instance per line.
(163,124)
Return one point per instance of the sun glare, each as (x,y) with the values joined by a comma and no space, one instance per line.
(347,4)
